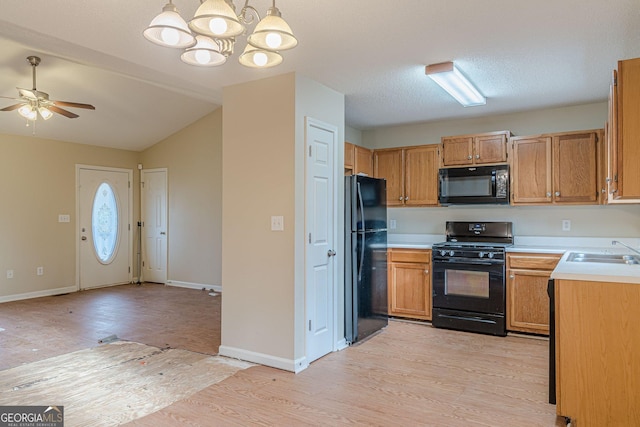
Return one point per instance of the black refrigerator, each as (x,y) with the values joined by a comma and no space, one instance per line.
(366,309)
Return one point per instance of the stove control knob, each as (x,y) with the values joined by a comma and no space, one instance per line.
(451,253)
(490,255)
(480,254)
(443,253)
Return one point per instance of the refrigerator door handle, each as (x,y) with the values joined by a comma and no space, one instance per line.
(361,204)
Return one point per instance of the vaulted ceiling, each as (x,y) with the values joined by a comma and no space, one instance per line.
(521,55)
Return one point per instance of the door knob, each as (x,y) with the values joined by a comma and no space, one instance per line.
(331,253)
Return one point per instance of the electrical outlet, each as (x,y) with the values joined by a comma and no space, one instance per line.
(392,224)
(9,274)
(40,271)
(566,225)
(64,218)
(277,223)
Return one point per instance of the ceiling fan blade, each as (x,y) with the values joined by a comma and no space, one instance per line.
(63,112)
(74,105)
(12,107)
(10,97)
(27,93)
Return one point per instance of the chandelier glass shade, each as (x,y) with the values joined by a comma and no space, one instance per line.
(209,38)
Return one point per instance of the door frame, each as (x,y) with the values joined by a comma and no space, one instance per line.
(130,214)
(338,244)
(143,217)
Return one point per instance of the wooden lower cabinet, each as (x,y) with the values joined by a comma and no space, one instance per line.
(597,352)
(527,299)
(409,283)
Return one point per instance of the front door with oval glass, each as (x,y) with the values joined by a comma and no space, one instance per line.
(104,230)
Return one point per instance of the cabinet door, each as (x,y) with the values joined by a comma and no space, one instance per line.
(527,301)
(388,165)
(531,170)
(457,151)
(363,161)
(612,138)
(421,176)
(490,149)
(628,130)
(575,172)
(349,154)
(410,290)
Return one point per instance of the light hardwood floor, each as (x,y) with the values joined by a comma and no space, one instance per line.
(408,375)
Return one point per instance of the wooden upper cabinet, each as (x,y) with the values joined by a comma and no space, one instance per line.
(421,176)
(560,168)
(457,151)
(624,133)
(575,177)
(491,148)
(531,170)
(363,161)
(411,174)
(388,164)
(349,158)
(477,149)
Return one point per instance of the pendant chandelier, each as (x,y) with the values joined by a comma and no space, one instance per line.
(210,37)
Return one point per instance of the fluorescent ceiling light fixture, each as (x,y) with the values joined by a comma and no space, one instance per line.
(449,78)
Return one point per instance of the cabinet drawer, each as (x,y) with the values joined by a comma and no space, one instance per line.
(414,255)
(536,262)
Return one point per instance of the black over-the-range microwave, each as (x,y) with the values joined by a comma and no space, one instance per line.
(474,185)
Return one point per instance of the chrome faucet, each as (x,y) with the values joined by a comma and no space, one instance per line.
(626,246)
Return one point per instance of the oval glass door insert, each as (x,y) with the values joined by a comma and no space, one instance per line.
(104,223)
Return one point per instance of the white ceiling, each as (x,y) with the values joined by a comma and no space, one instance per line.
(522,56)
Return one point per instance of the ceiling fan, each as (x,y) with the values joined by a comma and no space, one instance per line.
(34,103)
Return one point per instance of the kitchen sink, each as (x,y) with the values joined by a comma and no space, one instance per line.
(604,258)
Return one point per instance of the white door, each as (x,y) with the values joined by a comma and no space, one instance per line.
(320,256)
(154,225)
(104,230)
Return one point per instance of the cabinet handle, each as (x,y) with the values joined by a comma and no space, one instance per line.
(426,272)
(401,198)
(477,156)
(511,276)
(406,198)
(548,194)
(469,157)
(557,193)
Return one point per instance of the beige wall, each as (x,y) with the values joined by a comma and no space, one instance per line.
(353,135)
(258,181)
(602,221)
(263,175)
(39,183)
(193,157)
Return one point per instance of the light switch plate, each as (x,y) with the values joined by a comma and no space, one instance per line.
(277,223)
(64,218)
(566,225)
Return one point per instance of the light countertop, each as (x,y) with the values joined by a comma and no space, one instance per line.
(597,272)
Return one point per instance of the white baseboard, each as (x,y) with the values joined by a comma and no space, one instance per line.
(342,344)
(198,286)
(264,359)
(38,294)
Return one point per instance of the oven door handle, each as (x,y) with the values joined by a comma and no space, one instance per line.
(467,261)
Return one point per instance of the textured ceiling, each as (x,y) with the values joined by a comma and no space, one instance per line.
(521,55)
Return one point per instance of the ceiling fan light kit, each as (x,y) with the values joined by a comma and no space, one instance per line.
(449,77)
(213,31)
(34,103)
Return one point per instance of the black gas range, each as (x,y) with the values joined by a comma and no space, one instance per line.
(469,277)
